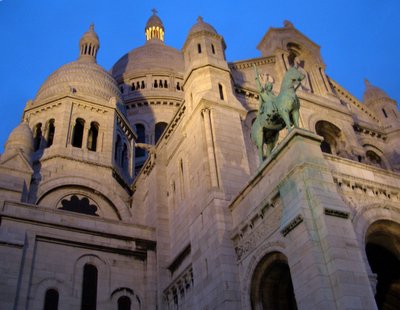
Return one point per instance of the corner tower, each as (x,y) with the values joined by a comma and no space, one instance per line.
(81,138)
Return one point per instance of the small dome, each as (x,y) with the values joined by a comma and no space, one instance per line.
(152,57)
(89,45)
(154,29)
(373,93)
(155,21)
(81,79)
(20,138)
(202,26)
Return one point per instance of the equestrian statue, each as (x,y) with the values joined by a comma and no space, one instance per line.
(275,112)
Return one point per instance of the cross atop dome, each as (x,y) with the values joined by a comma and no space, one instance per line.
(154,11)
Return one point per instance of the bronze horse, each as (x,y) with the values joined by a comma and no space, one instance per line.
(276,112)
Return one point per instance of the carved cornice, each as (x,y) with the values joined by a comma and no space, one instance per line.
(347,97)
(146,103)
(370,132)
(249,63)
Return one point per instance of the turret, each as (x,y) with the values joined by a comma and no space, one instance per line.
(204,46)
(383,106)
(206,70)
(154,30)
(89,45)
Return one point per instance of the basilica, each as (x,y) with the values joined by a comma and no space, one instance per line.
(140,187)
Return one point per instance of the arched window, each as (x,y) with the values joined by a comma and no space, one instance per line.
(124,157)
(92,136)
(161,84)
(37,136)
(143,85)
(199,48)
(124,303)
(221,91)
(117,149)
(178,86)
(155,84)
(89,288)
(159,129)
(383,257)
(331,135)
(384,112)
(141,132)
(373,159)
(138,85)
(50,132)
(165,84)
(77,133)
(212,48)
(271,285)
(51,300)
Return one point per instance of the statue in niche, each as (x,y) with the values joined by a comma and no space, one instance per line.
(305,84)
(275,112)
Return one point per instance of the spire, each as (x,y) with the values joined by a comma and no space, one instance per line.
(373,93)
(89,45)
(154,29)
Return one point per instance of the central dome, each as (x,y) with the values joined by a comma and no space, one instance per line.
(153,56)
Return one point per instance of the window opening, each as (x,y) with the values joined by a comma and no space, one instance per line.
(221,92)
(92,136)
(77,134)
(89,288)
(124,303)
(37,136)
(51,300)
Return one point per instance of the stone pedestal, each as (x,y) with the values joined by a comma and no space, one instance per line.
(323,253)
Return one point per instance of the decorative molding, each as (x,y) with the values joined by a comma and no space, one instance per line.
(249,64)
(292,225)
(179,290)
(141,104)
(347,97)
(258,226)
(367,131)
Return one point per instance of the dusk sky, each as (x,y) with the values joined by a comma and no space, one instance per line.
(359,38)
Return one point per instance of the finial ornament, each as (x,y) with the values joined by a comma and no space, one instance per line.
(200,19)
(288,24)
(154,11)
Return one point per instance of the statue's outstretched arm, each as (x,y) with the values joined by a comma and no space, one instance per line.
(259,86)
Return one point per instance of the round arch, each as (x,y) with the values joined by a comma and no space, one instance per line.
(271,284)
(251,264)
(115,202)
(383,254)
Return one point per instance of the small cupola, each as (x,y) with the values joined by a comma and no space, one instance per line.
(373,93)
(379,101)
(89,45)
(154,30)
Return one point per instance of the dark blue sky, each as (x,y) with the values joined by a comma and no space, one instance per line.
(358,38)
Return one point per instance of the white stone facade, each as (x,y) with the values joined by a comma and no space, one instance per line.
(192,219)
